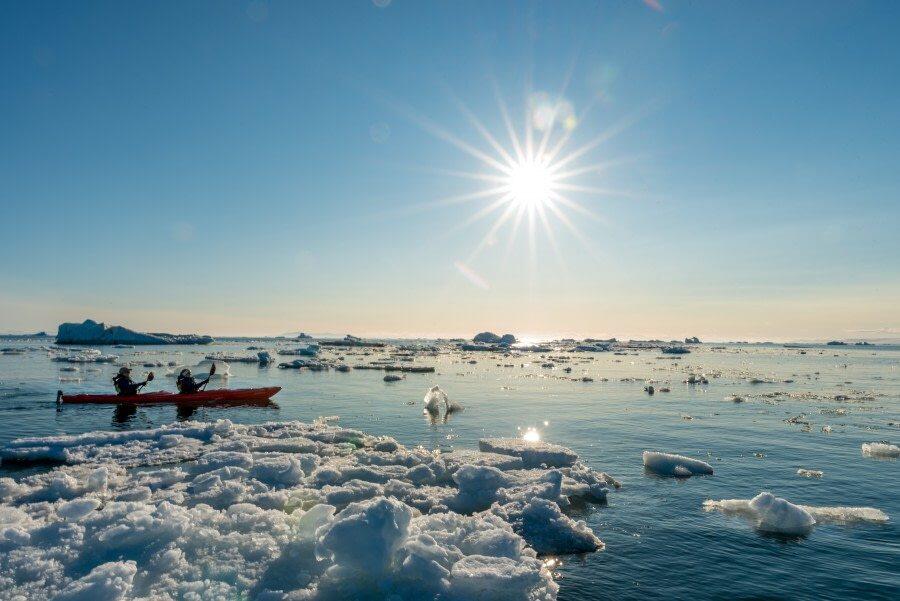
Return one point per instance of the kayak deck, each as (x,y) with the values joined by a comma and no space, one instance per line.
(222,397)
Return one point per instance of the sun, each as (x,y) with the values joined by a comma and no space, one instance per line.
(531,182)
(530,185)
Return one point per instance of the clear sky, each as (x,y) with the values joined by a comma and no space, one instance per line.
(265,167)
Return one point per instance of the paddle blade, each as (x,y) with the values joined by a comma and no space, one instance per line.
(150,377)
(212,369)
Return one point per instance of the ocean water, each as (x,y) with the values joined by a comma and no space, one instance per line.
(660,543)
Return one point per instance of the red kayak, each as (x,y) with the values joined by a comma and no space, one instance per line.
(221,397)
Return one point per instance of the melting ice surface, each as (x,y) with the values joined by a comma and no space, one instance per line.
(287,510)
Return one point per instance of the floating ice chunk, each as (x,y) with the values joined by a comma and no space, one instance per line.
(805,473)
(880,450)
(435,398)
(774,514)
(533,453)
(667,464)
(770,513)
(107,582)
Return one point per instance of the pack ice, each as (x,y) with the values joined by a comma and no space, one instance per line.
(283,511)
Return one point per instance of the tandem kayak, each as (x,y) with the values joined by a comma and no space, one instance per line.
(222,397)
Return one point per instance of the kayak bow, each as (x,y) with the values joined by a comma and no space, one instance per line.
(222,397)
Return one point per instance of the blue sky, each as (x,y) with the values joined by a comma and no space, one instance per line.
(262,167)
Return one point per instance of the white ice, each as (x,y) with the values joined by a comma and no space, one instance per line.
(774,514)
(880,449)
(286,511)
(668,464)
(533,453)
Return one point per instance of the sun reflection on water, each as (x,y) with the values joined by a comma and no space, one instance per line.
(531,435)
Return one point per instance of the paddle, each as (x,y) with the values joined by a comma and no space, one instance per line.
(212,371)
(149,379)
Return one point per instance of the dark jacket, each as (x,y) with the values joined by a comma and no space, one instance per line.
(125,386)
(187,384)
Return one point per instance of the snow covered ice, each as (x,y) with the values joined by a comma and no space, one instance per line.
(286,510)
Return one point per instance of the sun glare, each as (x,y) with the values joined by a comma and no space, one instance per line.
(531,182)
(530,185)
(531,435)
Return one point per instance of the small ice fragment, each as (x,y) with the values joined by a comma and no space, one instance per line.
(668,464)
(880,449)
(434,398)
(810,473)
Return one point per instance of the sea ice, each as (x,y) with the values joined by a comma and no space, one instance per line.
(805,473)
(880,449)
(286,510)
(667,464)
(774,514)
(533,453)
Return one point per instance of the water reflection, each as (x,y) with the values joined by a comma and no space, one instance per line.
(124,414)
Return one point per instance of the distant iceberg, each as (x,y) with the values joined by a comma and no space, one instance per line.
(92,332)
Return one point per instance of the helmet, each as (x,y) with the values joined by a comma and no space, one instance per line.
(184,373)
(124,370)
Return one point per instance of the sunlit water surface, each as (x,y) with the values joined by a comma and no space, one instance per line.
(659,541)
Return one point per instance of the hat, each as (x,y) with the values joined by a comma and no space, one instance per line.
(124,370)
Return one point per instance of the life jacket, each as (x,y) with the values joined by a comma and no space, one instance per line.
(186,384)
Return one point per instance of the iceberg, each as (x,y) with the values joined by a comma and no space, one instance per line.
(92,332)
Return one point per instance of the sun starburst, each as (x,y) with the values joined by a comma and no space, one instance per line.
(535,179)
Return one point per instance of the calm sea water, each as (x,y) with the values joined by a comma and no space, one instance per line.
(660,542)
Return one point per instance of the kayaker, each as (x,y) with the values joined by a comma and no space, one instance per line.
(187,384)
(125,386)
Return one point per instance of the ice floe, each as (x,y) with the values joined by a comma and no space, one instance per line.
(880,449)
(805,473)
(287,510)
(668,464)
(774,514)
(533,453)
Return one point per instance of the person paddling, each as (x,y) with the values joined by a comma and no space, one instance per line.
(125,386)
(187,384)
